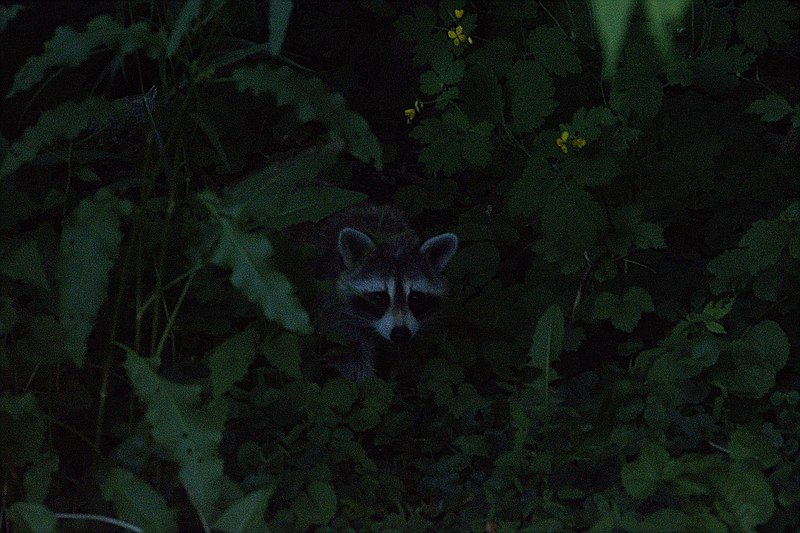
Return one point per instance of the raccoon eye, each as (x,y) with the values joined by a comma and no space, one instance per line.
(422,303)
(377,297)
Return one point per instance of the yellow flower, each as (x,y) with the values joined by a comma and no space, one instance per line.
(457,36)
(459,13)
(410,113)
(579,142)
(561,141)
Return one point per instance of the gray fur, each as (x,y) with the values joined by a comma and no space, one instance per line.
(371,249)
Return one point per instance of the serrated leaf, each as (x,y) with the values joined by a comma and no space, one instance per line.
(746,443)
(772,108)
(66,121)
(764,242)
(183,23)
(572,214)
(230,360)
(442,74)
(530,193)
(641,476)
(636,88)
(90,241)
(189,432)
(754,361)
(247,514)
(68,48)
(531,101)
(29,517)
(248,257)
(477,145)
(7,14)
(550,47)
(313,101)
(137,503)
(283,351)
(611,20)
(548,338)
(716,68)
(279,13)
(624,311)
(757,21)
(23,262)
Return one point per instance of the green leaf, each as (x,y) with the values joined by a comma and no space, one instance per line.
(531,100)
(69,48)
(90,241)
(247,255)
(611,19)
(674,520)
(572,214)
(247,514)
(24,263)
(29,517)
(548,338)
(230,360)
(279,12)
(624,311)
(37,477)
(717,68)
(743,497)
(189,432)
(312,204)
(549,47)
(443,73)
(210,130)
(312,101)
(283,352)
(772,108)
(189,12)
(530,193)
(760,20)
(136,502)
(317,505)
(753,361)
(747,443)
(641,476)
(66,121)
(636,88)
(7,14)
(764,242)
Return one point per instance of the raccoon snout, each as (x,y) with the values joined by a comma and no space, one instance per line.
(400,334)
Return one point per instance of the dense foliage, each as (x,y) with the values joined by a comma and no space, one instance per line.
(620,348)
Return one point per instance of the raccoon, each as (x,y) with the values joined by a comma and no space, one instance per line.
(385,283)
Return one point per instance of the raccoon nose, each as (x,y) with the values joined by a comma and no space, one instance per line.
(400,334)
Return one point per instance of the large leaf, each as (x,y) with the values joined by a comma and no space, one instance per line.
(69,48)
(23,262)
(66,121)
(611,19)
(230,360)
(248,257)
(189,12)
(532,100)
(548,338)
(313,101)
(641,476)
(90,242)
(29,517)
(279,12)
(137,503)
(247,514)
(190,432)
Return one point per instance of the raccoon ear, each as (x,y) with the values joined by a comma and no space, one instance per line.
(440,249)
(353,245)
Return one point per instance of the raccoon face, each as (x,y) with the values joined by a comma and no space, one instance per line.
(394,286)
